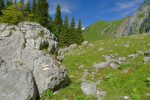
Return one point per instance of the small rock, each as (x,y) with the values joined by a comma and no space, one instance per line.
(100,49)
(88,88)
(80,67)
(127,45)
(114,65)
(146,59)
(110,50)
(123,98)
(85,43)
(101,65)
(100,94)
(133,56)
(91,45)
(72,46)
(147,53)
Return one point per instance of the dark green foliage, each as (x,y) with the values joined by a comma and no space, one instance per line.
(79,32)
(34,6)
(22,2)
(27,7)
(58,21)
(42,12)
(8,3)
(1,6)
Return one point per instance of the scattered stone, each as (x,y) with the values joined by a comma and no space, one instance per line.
(101,65)
(146,59)
(88,88)
(133,56)
(114,65)
(82,66)
(90,45)
(147,53)
(72,46)
(110,50)
(101,49)
(123,98)
(85,43)
(100,94)
(127,45)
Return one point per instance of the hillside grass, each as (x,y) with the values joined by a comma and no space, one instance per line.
(114,81)
(96,31)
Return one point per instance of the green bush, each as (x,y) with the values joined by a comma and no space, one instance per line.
(14,14)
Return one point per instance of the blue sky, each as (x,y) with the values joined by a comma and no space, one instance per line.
(91,11)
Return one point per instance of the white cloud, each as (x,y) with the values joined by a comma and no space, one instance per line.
(66,6)
(126,8)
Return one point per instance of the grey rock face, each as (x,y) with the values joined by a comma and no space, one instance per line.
(17,85)
(132,25)
(22,49)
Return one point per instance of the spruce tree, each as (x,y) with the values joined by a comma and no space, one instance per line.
(58,21)
(63,35)
(11,2)
(34,6)
(8,3)
(27,7)
(67,33)
(66,24)
(73,36)
(79,32)
(22,2)
(42,12)
(1,6)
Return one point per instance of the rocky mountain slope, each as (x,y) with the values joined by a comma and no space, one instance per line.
(137,24)
(26,67)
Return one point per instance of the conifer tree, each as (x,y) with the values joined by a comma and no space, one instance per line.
(79,32)
(66,24)
(34,6)
(27,7)
(22,2)
(72,32)
(11,2)
(58,21)
(1,6)
(42,12)
(63,35)
(8,3)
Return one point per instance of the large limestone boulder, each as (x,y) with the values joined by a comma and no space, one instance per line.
(17,85)
(22,47)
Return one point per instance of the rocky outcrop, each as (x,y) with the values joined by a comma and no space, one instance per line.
(136,23)
(25,69)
